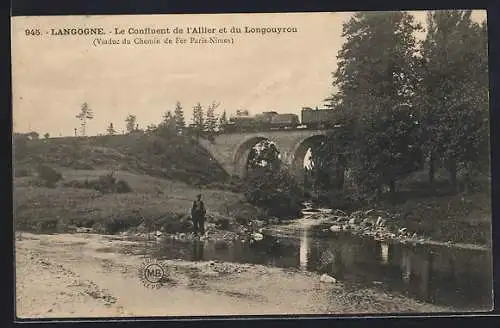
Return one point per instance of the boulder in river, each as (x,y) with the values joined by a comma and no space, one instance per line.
(380,222)
(367,222)
(335,228)
(328,279)
(83,230)
(274,221)
(352,221)
(257,224)
(256,236)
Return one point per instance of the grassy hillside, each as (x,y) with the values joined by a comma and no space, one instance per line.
(176,158)
(161,202)
(162,177)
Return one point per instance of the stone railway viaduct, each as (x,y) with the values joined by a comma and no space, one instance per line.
(231,150)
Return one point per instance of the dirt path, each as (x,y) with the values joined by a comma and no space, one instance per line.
(83,275)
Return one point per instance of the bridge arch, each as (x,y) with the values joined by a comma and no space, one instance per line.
(299,152)
(240,158)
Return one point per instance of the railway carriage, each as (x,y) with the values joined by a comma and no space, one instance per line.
(318,118)
(271,120)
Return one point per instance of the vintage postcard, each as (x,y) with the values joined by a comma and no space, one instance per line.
(251,164)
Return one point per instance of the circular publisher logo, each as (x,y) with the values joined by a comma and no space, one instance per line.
(153,274)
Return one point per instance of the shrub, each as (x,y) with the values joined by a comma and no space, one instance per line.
(48,225)
(80,165)
(223,223)
(21,172)
(113,225)
(274,191)
(40,225)
(173,226)
(20,147)
(104,183)
(122,186)
(85,222)
(48,175)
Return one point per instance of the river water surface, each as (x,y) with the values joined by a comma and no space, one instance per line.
(458,278)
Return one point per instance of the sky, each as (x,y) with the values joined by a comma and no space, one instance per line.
(54,75)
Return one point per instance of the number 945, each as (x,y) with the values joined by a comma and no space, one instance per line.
(32,32)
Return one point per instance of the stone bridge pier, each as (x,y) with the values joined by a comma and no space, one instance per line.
(232,150)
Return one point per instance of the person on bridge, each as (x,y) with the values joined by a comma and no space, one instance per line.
(198,212)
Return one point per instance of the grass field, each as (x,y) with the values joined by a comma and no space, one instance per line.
(41,208)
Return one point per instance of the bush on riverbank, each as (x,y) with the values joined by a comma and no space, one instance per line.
(460,219)
(432,210)
(463,218)
(107,183)
(274,191)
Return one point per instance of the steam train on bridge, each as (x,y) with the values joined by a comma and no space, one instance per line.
(310,119)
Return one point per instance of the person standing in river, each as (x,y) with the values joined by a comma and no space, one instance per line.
(198,212)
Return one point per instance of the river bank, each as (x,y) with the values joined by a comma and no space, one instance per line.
(154,204)
(87,275)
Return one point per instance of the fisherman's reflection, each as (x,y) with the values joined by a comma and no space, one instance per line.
(416,271)
(198,248)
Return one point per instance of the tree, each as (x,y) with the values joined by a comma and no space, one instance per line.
(167,117)
(269,184)
(85,114)
(151,128)
(180,123)
(242,112)
(46,135)
(222,120)
(376,78)
(454,92)
(264,154)
(168,125)
(130,123)
(211,120)
(111,130)
(198,119)
(33,135)
(20,146)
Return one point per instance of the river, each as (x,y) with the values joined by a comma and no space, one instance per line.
(440,275)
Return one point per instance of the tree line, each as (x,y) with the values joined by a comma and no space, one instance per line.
(204,122)
(403,102)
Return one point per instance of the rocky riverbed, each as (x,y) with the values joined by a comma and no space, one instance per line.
(377,224)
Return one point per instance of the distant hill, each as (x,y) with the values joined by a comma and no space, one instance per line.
(177,158)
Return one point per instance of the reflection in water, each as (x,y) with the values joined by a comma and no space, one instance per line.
(439,275)
(416,272)
(384,252)
(198,248)
(406,266)
(304,250)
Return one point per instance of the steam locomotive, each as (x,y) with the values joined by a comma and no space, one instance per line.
(310,119)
